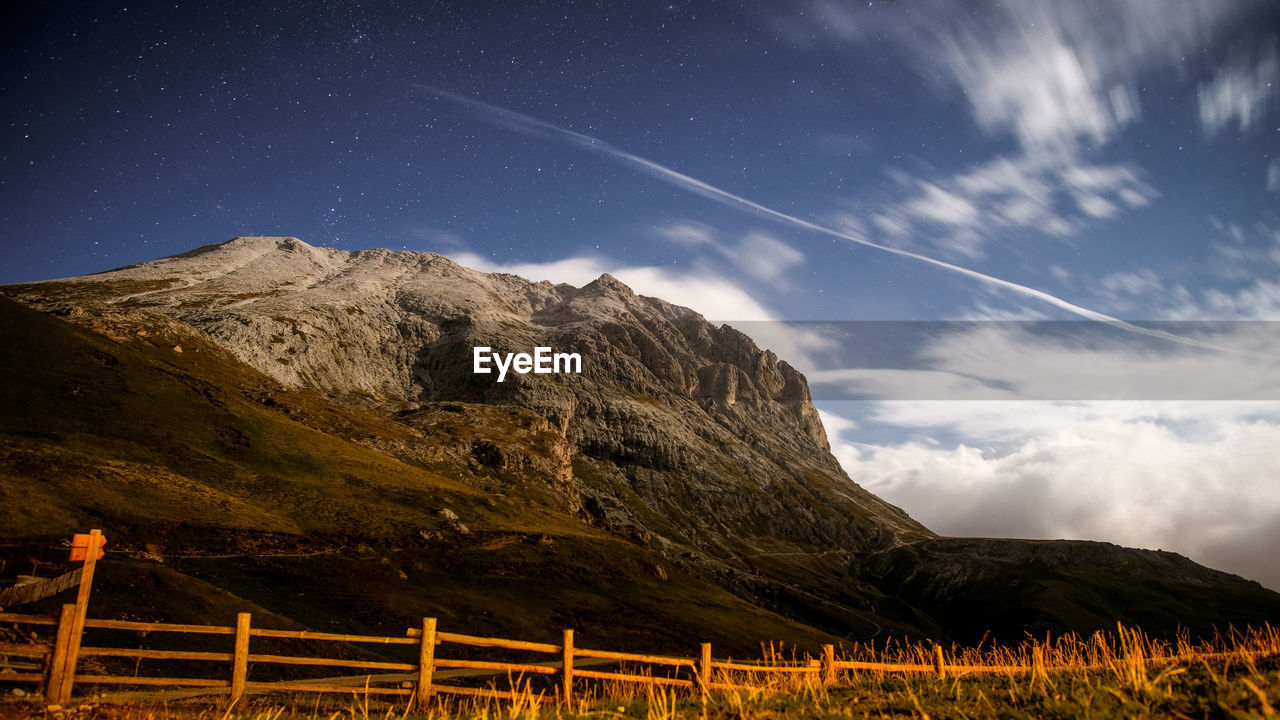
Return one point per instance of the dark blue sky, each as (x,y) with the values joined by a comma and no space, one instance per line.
(811,160)
(1049,147)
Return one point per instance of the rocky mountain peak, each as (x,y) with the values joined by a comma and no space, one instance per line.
(715,441)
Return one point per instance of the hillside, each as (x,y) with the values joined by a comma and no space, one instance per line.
(313,413)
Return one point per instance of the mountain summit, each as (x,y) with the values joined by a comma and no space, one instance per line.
(681,439)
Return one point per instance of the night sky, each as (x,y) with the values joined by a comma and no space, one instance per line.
(804,161)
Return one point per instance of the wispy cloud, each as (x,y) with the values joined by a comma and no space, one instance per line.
(1239,279)
(1239,93)
(764,257)
(524,123)
(1060,79)
(1058,197)
(688,234)
(1052,361)
(1053,75)
(760,255)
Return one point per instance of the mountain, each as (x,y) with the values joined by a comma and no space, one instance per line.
(266,398)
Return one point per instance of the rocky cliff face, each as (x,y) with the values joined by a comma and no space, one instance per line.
(676,433)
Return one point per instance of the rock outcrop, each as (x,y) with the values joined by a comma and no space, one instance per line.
(677,432)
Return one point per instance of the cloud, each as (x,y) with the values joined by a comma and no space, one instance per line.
(1273,176)
(940,206)
(1189,477)
(705,292)
(1138,282)
(1239,93)
(1239,279)
(688,234)
(1259,299)
(758,254)
(1051,361)
(1060,79)
(1053,75)
(764,257)
(1058,198)
(1035,84)
(701,289)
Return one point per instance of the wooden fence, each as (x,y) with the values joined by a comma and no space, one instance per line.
(417,680)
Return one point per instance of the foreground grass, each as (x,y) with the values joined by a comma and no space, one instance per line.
(1125,675)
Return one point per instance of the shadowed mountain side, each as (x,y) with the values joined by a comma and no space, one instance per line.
(196,461)
(1035,586)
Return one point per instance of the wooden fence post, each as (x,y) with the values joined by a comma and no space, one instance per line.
(77,627)
(240,658)
(58,661)
(829,664)
(704,669)
(567,673)
(426,659)
(937,661)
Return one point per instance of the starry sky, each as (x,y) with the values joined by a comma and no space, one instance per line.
(800,168)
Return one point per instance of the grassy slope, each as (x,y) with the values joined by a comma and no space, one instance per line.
(193,452)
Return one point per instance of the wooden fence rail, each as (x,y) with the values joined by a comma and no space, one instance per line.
(416,679)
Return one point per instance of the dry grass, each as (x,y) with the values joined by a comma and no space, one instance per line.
(1106,675)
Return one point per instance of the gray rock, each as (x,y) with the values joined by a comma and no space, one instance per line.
(677,433)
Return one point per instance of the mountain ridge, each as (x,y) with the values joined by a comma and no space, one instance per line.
(682,438)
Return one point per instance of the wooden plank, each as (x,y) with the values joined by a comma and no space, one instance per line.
(477,641)
(426,661)
(337,637)
(155,654)
(704,668)
(143,680)
(644,679)
(500,666)
(829,664)
(22,650)
(240,661)
(82,608)
(632,657)
(159,627)
(352,689)
(24,619)
(331,662)
(938,665)
(58,662)
(566,669)
(31,592)
(22,677)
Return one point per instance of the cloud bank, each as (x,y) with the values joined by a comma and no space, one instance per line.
(1194,478)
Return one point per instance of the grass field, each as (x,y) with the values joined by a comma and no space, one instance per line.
(1117,675)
